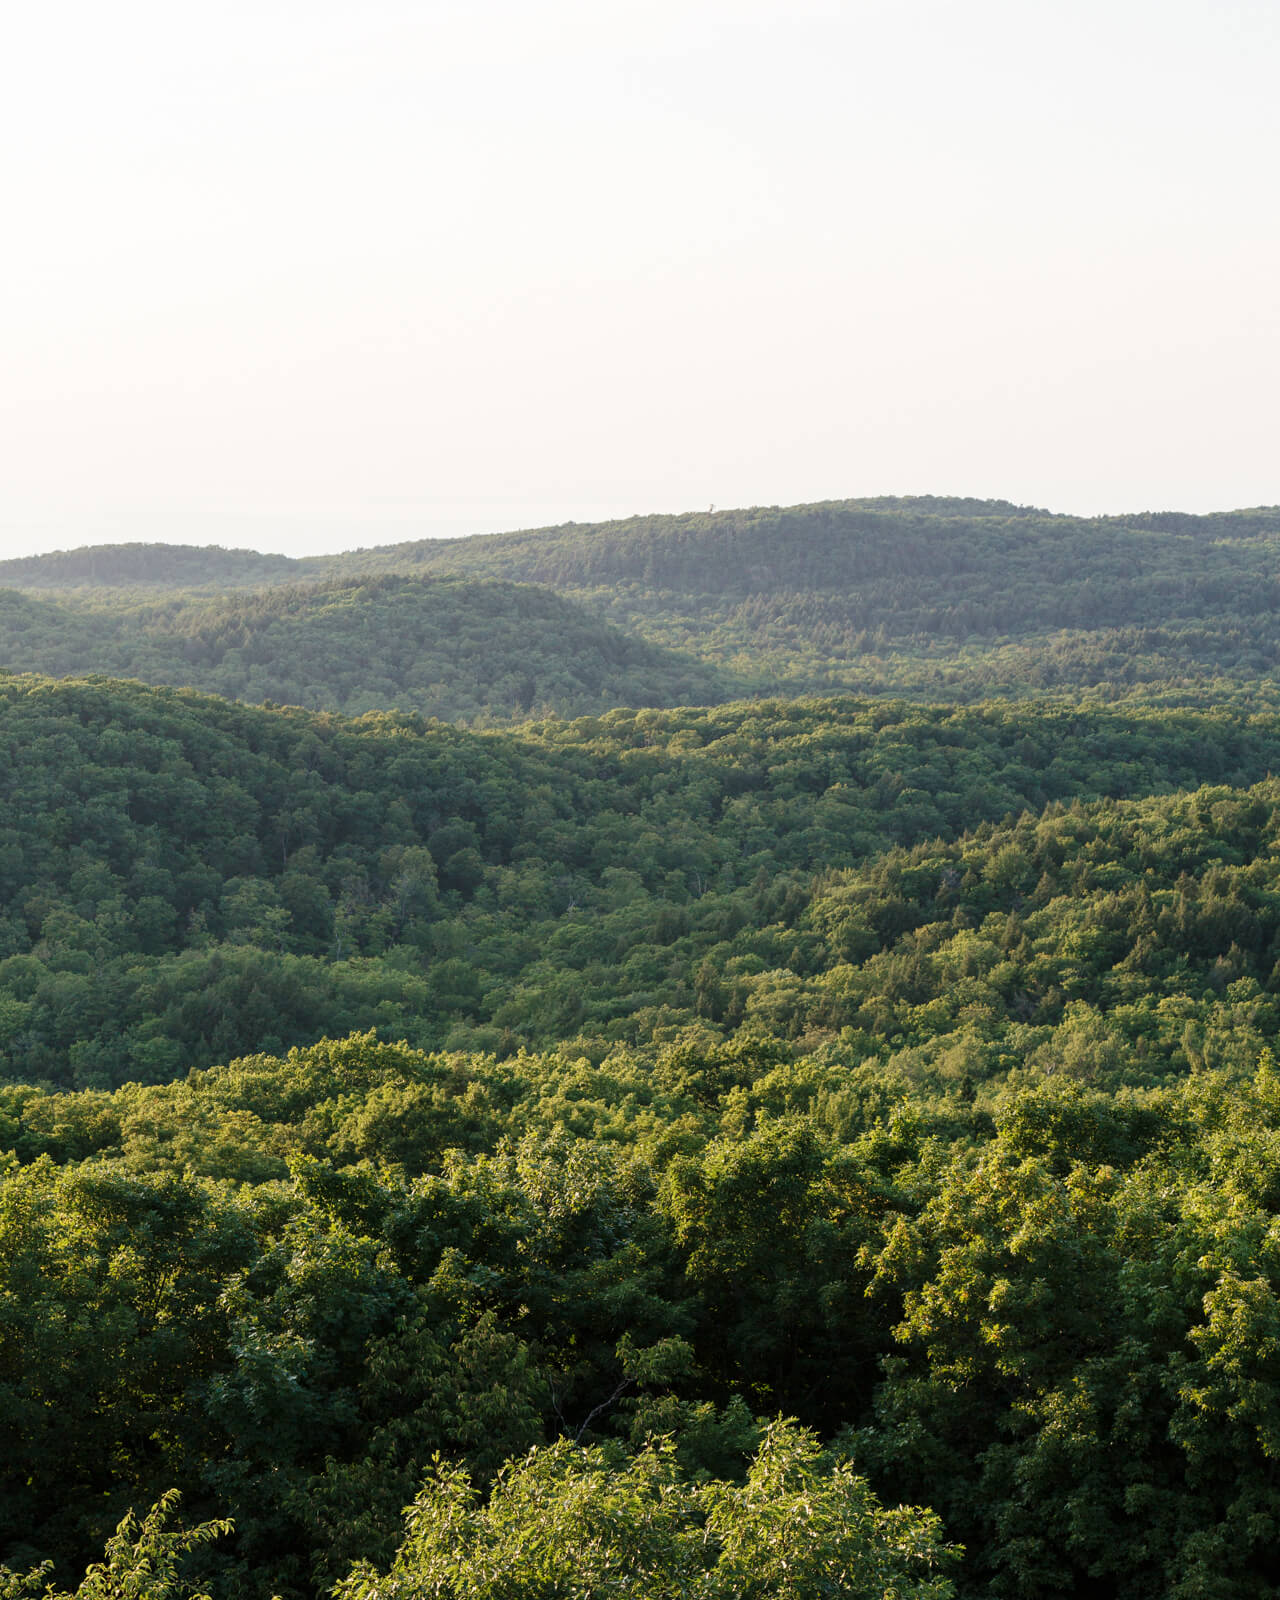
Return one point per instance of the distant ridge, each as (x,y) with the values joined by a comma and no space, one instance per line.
(460,649)
(933,597)
(129,565)
(572,553)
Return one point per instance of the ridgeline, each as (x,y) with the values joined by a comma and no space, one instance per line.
(932,598)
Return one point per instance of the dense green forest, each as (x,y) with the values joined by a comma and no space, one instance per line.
(164,566)
(509,1144)
(292,1285)
(932,598)
(194,879)
(452,648)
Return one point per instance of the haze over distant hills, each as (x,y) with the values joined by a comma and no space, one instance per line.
(456,648)
(833,539)
(928,597)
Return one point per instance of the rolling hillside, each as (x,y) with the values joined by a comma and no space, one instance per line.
(151,566)
(905,1071)
(941,599)
(454,648)
(184,879)
(633,1135)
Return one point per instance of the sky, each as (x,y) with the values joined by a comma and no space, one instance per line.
(309,277)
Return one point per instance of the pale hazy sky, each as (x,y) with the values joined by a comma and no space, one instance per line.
(307,276)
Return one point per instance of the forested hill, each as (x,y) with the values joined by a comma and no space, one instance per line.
(845,544)
(936,598)
(163,566)
(453,648)
(185,879)
(734,554)
(907,1071)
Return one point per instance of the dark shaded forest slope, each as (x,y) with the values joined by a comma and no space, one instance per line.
(453,648)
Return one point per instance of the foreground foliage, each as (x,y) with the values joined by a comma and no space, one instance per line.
(1053,1319)
(566,1523)
(142,1561)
